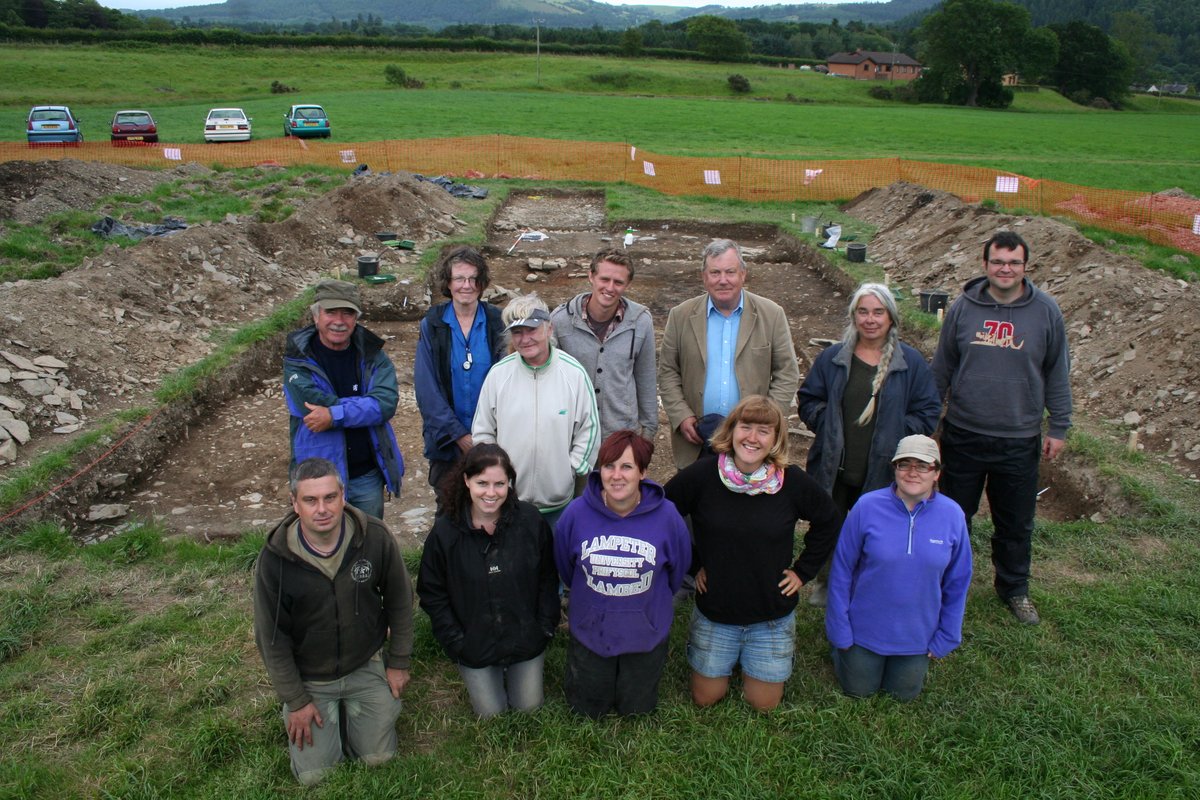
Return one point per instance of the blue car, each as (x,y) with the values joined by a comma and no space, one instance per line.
(306,122)
(52,124)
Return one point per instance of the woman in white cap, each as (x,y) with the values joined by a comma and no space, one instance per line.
(899,579)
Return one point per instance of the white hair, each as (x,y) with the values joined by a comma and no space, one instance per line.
(850,339)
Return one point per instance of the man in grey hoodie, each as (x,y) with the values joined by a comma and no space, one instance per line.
(1001,364)
(613,337)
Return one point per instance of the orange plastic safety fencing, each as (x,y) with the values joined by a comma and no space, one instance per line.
(1167,220)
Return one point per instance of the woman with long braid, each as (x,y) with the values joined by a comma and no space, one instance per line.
(862,396)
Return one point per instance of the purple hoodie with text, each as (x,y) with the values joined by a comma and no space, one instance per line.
(622,571)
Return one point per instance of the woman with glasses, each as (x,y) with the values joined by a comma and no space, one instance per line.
(862,396)
(899,580)
(459,341)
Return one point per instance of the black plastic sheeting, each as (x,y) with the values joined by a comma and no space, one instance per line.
(109,227)
(453,187)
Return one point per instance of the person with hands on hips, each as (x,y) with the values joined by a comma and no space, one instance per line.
(744,503)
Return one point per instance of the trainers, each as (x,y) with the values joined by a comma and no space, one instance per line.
(1022,608)
(819,594)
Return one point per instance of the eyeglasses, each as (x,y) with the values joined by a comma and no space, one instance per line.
(995,262)
(464,280)
(914,466)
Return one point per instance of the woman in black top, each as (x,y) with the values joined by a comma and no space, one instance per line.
(744,503)
(489,584)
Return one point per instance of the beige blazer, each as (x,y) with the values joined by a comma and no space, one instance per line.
(764,362)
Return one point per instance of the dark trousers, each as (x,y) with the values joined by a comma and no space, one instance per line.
(1008,469)
(438,470)
(626,683)
(862,673)
(844,497)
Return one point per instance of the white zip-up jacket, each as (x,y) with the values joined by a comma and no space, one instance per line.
(546,419)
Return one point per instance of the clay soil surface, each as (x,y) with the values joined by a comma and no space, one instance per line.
(123,320)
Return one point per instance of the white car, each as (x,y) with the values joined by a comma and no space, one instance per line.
(227,125)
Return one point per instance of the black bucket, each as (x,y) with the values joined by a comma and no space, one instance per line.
(368,265)
(856,252)
(933,300)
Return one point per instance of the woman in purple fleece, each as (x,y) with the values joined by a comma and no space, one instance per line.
(622,549)
(898,585)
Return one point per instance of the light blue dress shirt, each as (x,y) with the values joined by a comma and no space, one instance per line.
(721,392)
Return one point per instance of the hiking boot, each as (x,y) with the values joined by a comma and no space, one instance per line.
(1022,608)
(819,594)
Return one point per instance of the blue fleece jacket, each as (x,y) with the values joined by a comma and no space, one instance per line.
(622,571)
(898,584)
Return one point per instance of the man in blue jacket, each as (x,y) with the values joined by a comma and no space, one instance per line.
(341,393)
(1002,364)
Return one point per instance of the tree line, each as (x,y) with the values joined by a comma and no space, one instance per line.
(967,46)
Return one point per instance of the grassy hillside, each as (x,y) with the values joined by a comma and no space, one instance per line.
(670,107)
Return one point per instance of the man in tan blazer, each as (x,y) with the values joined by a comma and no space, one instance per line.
(719,347)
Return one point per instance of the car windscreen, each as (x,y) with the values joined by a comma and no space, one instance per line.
(132,119)
(43,116)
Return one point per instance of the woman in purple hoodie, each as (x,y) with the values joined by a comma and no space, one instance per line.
(622,549)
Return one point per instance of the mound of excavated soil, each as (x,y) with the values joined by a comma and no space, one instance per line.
(1134,332)
(123,320)
(32,190)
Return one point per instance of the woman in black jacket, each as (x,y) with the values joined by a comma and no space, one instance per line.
(489,584)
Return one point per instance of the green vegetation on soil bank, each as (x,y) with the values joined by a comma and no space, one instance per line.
(667,107)
(62,240)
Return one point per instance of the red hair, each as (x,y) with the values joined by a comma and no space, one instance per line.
(614,446)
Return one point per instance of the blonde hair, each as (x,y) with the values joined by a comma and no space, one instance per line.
(755,409)
(521,307)
(850,339)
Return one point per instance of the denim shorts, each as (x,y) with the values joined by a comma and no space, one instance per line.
(764,649)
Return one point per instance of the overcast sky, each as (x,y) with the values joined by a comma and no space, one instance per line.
(144,4)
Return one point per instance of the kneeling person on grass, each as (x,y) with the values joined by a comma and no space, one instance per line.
(333,623)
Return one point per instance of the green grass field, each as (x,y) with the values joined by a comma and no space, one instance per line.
(669,107)
(128,670)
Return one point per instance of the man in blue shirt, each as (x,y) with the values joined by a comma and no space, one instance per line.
(719,347)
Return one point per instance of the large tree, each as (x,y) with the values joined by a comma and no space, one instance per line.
(717,37)
(1090,63)
(970,45)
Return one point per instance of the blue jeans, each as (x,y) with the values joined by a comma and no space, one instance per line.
(551,517)
(493,690)
(764,649)
(1008,468)
(366,493)
(862,673)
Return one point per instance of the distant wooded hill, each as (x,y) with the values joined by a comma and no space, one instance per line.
(436,14)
